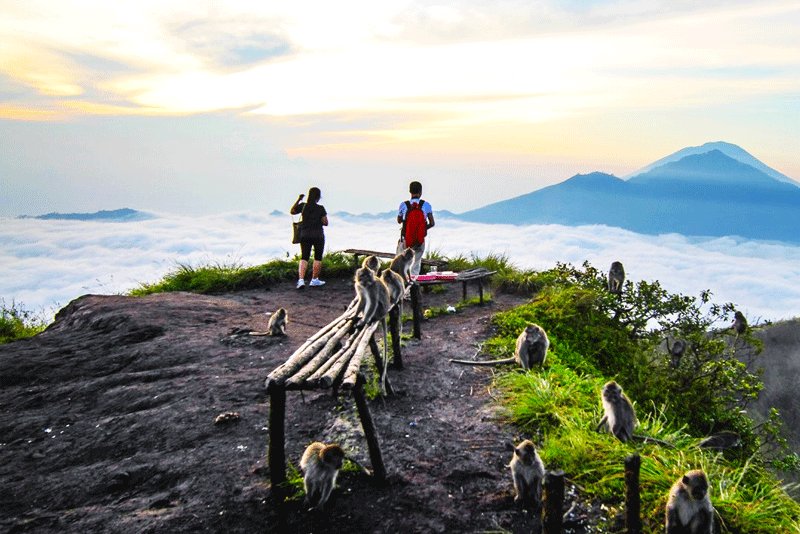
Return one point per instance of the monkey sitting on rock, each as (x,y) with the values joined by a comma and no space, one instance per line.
(689,508)
(531,349)
(320,464)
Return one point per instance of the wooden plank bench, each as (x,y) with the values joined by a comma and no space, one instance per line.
(478,275)
(439,264)
(331,358)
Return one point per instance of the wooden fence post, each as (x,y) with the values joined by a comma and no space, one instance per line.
(633,521)
(417,312)
(553,501)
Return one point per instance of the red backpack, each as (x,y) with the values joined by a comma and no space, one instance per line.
(415,227)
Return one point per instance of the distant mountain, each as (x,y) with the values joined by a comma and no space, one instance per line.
(120,215)
(706,194)
(729,149)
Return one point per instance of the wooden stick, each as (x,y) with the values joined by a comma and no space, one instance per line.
(394,328)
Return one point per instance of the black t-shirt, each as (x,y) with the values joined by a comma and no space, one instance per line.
(312,220)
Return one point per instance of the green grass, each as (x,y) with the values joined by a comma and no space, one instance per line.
(559,407)
(219,278)
(18,323)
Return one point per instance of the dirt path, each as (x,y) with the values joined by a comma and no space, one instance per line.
(107,421)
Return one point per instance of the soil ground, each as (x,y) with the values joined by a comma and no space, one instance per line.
(107,421)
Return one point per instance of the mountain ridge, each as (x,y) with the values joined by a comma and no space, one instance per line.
(707,194)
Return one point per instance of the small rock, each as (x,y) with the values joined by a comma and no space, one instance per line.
(226,417)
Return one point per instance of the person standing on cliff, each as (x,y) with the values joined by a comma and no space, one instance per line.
(313,218)
(416,216)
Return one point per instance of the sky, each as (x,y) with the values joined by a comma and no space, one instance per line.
(44,264)
(206,107)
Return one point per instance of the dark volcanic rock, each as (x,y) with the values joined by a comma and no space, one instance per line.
(108,421)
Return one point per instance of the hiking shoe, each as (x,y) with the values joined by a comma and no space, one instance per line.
(301,284)
(316,282)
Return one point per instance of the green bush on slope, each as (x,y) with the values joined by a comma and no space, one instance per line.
(595,337)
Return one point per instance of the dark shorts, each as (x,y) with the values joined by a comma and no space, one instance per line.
(305,249)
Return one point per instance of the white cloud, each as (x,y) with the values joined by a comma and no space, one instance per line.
(45,264)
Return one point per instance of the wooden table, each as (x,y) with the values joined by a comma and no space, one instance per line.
(479,275)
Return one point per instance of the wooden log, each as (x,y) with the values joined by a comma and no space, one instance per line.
(344,352)
(633,502)
(417,311)
(322,356)
(277,443)
(394,329)
(553,501)
(351,373)
(356,348)
(370,433)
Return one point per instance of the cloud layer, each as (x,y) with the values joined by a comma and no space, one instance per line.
(45,264)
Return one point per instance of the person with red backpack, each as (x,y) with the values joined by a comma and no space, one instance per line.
(416,216)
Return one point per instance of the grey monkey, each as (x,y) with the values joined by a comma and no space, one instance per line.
(689,508)
(277,323)
(531,349)
(527,474)
(372,295)
(401,264)
(619,416)
(320,464)
(372,263)
(616,277)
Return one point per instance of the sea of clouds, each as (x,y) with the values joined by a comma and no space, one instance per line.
(44,264)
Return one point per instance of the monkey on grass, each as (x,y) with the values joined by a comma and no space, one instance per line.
(531,349)
(689,509)
(619,416)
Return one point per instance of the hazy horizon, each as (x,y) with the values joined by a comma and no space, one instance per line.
(207,108)
(46,263)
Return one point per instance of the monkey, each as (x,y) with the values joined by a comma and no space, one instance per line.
(616,276)
(739,323)
(689,508)
(321,464)
(720,441)
(527,473)
(394,283)
(373,303)
(676,352)
(278,322)
(372,263)
(401,264)
(619,416)
(532,345)
(372,295)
